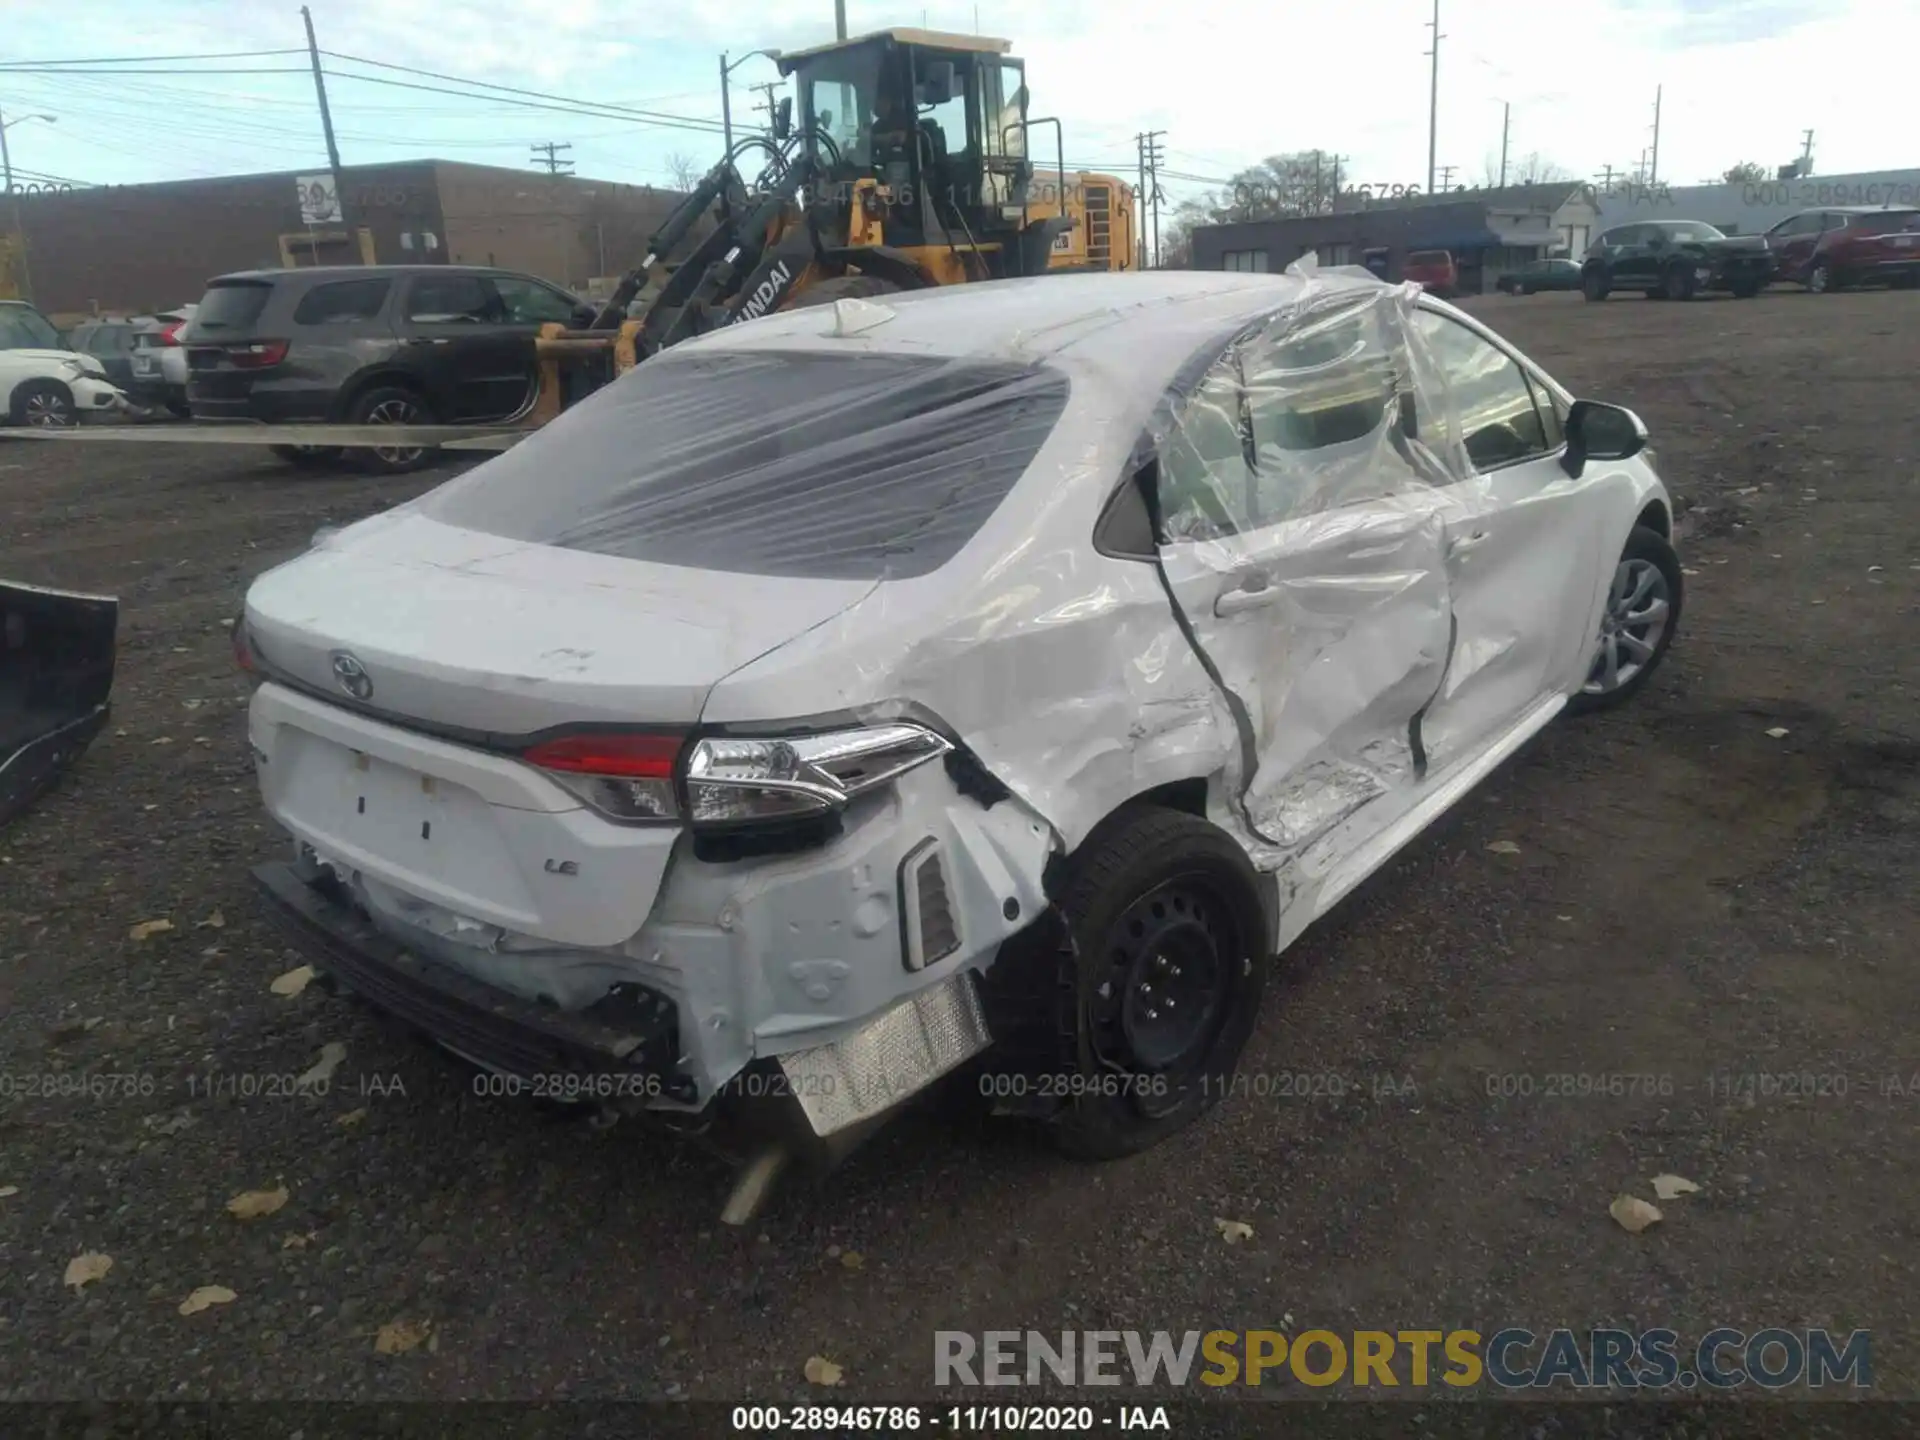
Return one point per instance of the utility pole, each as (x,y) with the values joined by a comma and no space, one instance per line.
(1806,156)
(326,126)
(770,90)
(726,104)
(1446,176)
(1653,169)
(1433,96)
(1153,154)
(19,221)
(549,154)
(1606,179)
(839,19)
(1140,147)
(1506,116)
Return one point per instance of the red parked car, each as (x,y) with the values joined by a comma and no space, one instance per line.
(1434,270)
(1847,245)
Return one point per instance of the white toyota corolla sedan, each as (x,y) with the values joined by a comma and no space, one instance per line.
(997,676)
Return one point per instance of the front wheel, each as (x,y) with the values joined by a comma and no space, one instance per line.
(1677,283)
(1169,961)
(1820,278)
(1638,623)
(1594,285)
(45,405)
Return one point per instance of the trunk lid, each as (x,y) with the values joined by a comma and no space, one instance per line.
(486,637)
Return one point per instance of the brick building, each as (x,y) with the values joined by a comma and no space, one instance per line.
(133,248)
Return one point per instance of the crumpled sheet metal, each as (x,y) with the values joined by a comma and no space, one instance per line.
(1062,670)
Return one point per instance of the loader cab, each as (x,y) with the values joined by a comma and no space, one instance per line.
(935,121)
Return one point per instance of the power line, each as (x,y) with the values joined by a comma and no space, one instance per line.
(602,112)
(548,153)
(208,70)
(149,59)
(511,89)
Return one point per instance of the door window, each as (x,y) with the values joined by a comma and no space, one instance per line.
(1491,398)
(443,299)
(528,302)
(23,329)
(344,302)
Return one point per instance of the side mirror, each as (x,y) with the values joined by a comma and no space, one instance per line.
(936,86)
(1598,431)
(783,118)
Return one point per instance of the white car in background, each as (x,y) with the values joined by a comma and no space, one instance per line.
(41,381)
(160,359)
(1006,671)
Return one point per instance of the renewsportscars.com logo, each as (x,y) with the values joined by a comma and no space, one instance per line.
(1511,1359)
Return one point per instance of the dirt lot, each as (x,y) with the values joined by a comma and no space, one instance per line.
(1692,897)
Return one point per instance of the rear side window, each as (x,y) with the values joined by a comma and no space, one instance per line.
(24,329)
(1889,222)
(342,302)
(232,306)
(858,467)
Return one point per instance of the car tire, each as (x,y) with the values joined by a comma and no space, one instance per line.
(391,405)
(1647,559)
(45,405)
(179,409)
(842,287)
(1677,283)
(1594,285)
(1746,290)
(1820,279)
(307,457)
(1152,895)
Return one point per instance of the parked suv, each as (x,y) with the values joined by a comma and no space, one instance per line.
(1675,260)
(1848,245)
(160,359)
(370,344)
(1535,275)
(43,381)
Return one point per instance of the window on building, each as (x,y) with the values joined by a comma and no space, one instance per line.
(1336,254)
(342,303)
(1248,262)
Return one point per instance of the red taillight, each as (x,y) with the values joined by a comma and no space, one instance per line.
(242,648)
(258,355)
(170,335)
(624,755)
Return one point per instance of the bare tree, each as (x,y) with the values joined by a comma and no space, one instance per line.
(685,173)
(1533,168)
(1306,182)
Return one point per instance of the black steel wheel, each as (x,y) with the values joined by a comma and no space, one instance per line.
(1171,947)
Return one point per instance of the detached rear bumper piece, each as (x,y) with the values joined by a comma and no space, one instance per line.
(635,1045)
(56,675)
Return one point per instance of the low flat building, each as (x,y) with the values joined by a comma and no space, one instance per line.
(125,249)
(1488,233)
(1751,207)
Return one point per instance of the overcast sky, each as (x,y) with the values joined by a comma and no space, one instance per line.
(1228,80)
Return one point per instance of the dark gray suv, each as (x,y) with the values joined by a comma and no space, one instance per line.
(370,344)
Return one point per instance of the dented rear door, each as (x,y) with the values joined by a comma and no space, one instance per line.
(1303,541)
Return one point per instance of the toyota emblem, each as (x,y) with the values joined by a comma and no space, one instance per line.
(352,676)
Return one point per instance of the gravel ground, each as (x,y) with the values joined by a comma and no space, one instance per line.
(1683,896)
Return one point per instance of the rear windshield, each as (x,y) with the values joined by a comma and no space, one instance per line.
(231,306)
(827,466)
(1888,222)
(1429,257)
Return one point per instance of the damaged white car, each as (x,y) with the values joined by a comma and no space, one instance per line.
(997,675)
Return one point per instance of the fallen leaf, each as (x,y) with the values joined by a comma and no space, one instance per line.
(821,1371)
(252,1204)
(1504,847)
(213,950)
(293,982)
(1672,1187)
(149,927)
(294,1242)
(1778,732)
(7,1192)
(83,1270)
(215,921)
(853,1260)
(331,1054)
(205,1298)
(164,740)
(396,1337)
(1633,1214)
(1233,1231)
(352,1118)
(1685,571)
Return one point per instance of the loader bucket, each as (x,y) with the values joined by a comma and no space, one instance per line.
(56,671)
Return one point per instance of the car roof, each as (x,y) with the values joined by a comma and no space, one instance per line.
(1156,319)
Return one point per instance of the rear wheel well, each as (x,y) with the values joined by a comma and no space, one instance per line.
(1656,519)
(351,392)
(1187,796)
